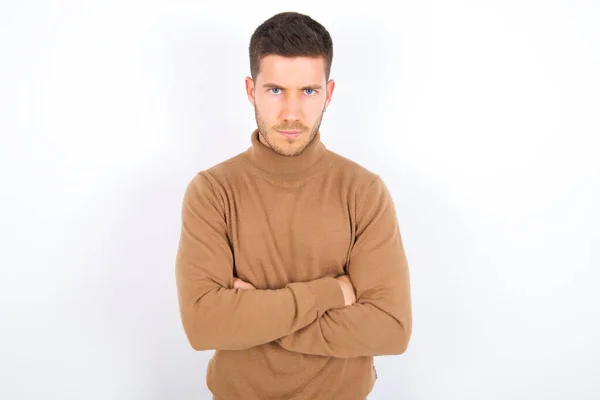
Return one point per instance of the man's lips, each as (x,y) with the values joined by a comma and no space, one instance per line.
(290,133)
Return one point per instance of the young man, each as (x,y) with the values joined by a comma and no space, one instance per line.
(291,263)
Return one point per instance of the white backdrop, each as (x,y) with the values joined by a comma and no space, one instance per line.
(481,116)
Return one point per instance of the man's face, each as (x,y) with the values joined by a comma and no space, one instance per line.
(289,98)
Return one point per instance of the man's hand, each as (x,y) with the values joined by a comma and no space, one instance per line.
(347,289)
(240,284)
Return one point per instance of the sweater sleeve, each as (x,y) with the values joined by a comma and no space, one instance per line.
(380,322)
(214,315)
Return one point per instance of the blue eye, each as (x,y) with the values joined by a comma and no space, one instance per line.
(312,90)
(274,89)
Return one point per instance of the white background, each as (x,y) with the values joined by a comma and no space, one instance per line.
(481,116)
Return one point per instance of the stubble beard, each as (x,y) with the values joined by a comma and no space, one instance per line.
(263,130)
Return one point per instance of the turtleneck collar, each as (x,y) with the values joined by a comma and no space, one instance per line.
(272,163)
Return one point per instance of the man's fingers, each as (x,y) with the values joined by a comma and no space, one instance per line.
(240,284)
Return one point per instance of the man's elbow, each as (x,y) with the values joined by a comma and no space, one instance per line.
(198,344)
(401,338)
(205,335)
(200,327)
(197,338)
(201,331)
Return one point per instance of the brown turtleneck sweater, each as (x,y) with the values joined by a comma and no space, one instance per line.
(289,226)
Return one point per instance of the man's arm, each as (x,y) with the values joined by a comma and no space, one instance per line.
(215,315)
(380,322)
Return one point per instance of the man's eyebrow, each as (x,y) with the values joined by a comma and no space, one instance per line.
(273,85)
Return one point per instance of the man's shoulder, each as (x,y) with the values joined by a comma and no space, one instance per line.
(351,170)
(362,182)
(231,165)
(216,176)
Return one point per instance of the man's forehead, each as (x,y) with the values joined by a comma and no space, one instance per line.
(291,71)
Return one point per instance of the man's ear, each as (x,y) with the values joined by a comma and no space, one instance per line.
(250,89)
(330,87)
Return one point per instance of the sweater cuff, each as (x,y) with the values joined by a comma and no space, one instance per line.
(328,294)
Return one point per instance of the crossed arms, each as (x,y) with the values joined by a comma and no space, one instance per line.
(366,313)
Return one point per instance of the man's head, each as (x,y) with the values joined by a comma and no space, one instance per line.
(290,63)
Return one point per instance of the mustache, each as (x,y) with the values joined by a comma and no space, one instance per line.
(292,127)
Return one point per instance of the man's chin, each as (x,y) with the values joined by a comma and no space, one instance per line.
(288,148)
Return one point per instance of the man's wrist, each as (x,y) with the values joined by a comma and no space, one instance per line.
(328,294)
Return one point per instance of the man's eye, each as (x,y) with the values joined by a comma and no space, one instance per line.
(310,90)
(272,90)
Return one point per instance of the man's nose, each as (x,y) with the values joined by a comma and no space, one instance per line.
(292,108)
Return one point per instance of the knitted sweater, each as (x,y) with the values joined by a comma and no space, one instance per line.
(289,226)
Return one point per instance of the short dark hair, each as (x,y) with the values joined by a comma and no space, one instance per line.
(290,34)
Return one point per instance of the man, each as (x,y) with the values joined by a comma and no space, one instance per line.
(291,264)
